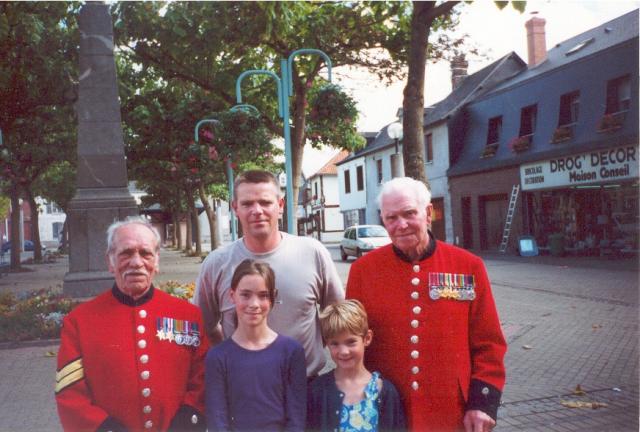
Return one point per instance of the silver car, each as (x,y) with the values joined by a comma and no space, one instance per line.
(360,239)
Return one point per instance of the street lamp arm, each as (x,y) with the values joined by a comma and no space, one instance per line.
(260,72)
(200,123)
(245,107)
(326,58)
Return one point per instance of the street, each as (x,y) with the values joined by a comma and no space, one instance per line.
(569,322)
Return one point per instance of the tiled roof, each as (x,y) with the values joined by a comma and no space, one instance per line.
(330,167)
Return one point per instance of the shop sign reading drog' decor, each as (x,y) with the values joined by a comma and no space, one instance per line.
(599,166)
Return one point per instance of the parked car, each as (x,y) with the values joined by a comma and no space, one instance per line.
(28,246)
(360,239)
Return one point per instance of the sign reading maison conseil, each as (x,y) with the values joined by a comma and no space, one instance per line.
(615,164)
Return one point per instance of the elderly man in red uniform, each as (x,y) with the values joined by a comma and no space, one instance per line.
(132,358)
(437,332)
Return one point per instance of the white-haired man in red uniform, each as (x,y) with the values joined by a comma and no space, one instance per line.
(437,332)
(132,359)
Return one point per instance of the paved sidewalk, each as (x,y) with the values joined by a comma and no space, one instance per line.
(568,322)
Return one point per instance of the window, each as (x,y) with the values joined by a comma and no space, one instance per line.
(315,191)
(360,177)
(618,94)
(528,117)
(347,182)
(428,148)
(56,229)
(495,128)
(578,47)
(379,170)
(52,208)
(569,107)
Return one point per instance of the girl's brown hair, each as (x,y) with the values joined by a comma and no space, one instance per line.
(262,269)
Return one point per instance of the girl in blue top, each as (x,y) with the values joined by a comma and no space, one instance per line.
(256,379)
(350,398)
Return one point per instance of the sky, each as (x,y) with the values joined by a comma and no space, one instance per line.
(494,33)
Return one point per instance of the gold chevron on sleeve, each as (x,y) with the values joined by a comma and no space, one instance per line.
(69,374)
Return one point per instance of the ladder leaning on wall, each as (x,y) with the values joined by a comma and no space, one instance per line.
(510,211)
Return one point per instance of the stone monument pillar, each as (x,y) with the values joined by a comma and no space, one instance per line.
(102,195)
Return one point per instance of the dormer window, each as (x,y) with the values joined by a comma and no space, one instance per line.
(495,127)
(569,106)
(493,137)
(618,95)
(528,118)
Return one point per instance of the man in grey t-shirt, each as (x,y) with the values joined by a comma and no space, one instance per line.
(306,277)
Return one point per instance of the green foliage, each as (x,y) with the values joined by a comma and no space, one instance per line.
(517,5)
(333,118)
(5,204)
(57,183)
(38,315)
(241,136)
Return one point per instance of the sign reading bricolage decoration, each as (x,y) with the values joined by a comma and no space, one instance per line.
(615,164)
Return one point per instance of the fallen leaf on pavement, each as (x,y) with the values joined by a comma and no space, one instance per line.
(583,404)
(578,391)
(596,326)
(527,347)
(50,354)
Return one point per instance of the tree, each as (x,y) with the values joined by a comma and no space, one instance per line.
(426,16)
(39,46)
(58,185)
(210,44)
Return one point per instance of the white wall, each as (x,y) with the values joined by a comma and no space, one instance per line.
(372,185)
(437,173)
(46,221)
(355,199)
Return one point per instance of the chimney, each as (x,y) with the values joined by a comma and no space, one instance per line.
(536,41)
(458,70)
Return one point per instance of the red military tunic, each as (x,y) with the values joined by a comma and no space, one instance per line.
(117,361)
(437,335)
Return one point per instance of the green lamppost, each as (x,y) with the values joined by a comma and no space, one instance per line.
(229,166)
(232,217)
(285,90)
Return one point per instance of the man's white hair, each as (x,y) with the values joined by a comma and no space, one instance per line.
(131,220)
(406,186)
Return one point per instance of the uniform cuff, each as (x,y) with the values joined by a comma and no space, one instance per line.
(484,397)
(110,424)
(188,419)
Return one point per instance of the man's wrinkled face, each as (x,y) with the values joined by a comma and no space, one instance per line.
(406,222)
(134,260)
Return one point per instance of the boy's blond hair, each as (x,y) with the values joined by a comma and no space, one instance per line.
(345,316)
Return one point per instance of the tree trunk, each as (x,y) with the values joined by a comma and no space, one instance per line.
(195,224)
(188,240)
(298,139)
(211,216)
(63,236)
(413,102)
(177,216)
(15,230)
(35,228)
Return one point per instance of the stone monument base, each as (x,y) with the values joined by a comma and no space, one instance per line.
(87,284)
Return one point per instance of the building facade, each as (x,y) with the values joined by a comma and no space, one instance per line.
(565,131)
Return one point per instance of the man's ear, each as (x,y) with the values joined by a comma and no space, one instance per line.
(281,206)
(429,215)
(234,206)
